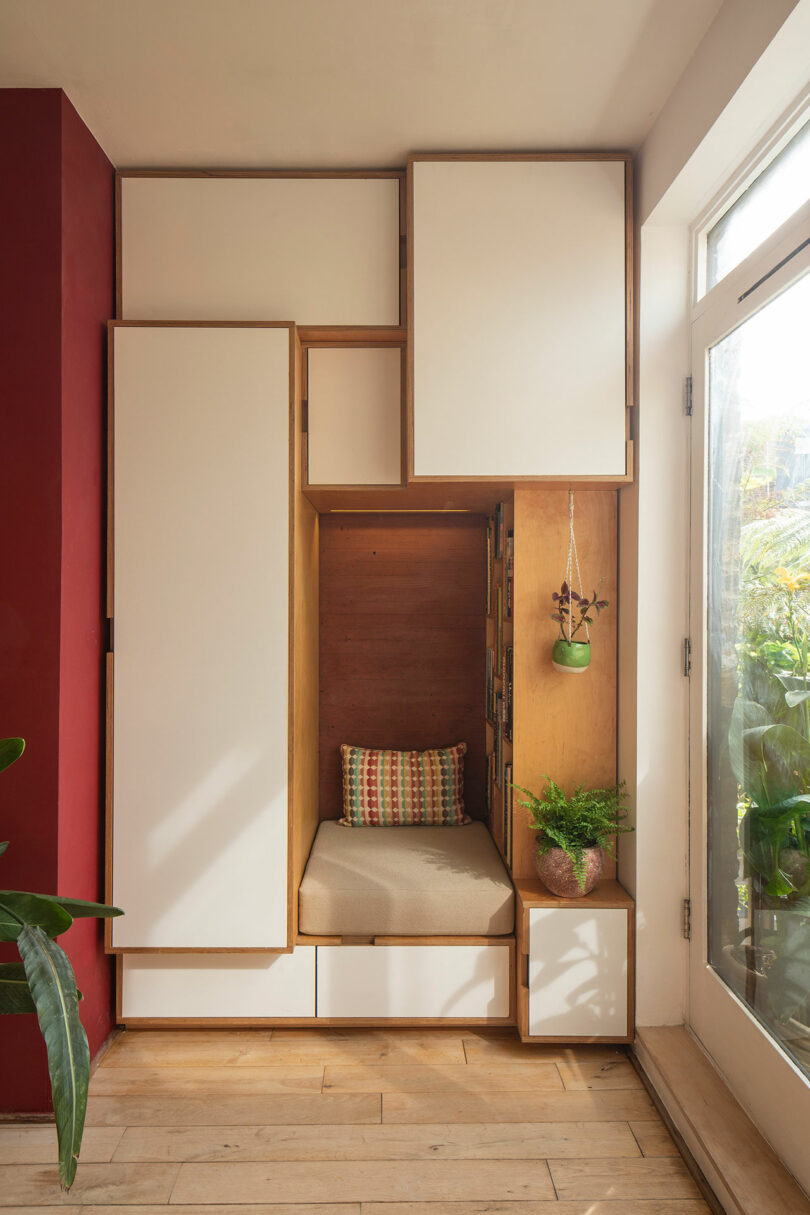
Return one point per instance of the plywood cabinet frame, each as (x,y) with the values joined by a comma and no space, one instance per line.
(630,311)
(294,430)
(263,174)
(347,337)
(608,896)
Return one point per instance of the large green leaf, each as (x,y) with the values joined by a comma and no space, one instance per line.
(53,986)
(15,996)
(10,750)
(79,908)
(769,760)
(3,847)
(18,908)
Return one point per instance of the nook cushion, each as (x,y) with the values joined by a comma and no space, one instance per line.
(418,881)
(403,788)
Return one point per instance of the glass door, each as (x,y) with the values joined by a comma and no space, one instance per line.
(750,749)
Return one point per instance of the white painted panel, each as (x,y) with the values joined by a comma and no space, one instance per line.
(219,985)
(200,681)
(355,416)
(413,981)
(577,972)
(317,251)
(519,318)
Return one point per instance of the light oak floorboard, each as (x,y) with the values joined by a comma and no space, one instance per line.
(622,1179)
(678,1206)
(271,1110)
(36,1144)
(521,1141)
(444,1079)
(599,1074)
(189,1048)
(653,1138)
(364,1181)
(35,1185)
(281,1208)
(610,1106)
(224,1081)
(151,1048)
(511,1050)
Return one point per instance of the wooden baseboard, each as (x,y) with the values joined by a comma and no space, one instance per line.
(743,1172)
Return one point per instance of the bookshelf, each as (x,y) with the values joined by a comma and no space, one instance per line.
(500,673)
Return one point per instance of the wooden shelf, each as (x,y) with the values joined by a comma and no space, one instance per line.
(606,894)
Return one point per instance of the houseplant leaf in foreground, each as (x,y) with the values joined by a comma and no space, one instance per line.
(53,987)
(18,907)
(15,996)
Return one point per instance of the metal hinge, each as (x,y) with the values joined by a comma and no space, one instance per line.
(687,919)
(687,657)
(109,643)
(305,417)
(688,396)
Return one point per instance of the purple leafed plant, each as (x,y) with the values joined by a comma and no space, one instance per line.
(576,610)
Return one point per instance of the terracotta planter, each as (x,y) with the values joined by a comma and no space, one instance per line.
(571,657)
(556,870)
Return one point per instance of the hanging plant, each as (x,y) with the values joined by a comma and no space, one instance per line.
(574,612)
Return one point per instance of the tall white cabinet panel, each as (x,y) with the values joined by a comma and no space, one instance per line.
(355,415)
(200,473)
(518,315)
(219,985)
(577,972)
(317,251)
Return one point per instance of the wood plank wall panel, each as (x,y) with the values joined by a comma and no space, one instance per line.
(565,725)
(402,640)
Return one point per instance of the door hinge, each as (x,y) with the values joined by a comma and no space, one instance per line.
(687,919)
(687,657)
(109,642)
(305,417)
(688,396)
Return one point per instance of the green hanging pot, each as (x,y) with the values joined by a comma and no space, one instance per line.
(571,657)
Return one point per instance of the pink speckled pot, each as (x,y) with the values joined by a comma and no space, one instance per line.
(556,872)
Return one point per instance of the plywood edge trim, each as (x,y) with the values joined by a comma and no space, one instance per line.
(180,1023)
(526,156)
(267,174)
(183,950)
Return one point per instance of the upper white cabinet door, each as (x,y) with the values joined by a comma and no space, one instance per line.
(519,307)
(355,415)
(317,251)
(201,570)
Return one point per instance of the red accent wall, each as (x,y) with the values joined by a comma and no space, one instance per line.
(402,641)
(56,293)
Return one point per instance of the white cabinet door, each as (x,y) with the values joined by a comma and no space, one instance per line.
(201,570)
(218,986)
(431,981)
(314,250)
(577,972)
(355,415)
(518,311)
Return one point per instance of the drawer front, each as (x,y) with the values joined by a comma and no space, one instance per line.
(453,981)
(577,972)
(219,985)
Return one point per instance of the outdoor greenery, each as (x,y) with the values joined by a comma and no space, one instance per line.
(44,983)
(589,818)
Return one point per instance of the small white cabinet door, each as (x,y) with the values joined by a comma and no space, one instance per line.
(518,310)
(314,250)
(433,981)
(577,972)
(201,570)
(355,415)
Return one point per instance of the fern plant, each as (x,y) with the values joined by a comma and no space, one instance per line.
(589,818)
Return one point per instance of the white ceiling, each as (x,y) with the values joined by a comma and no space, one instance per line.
(351,83)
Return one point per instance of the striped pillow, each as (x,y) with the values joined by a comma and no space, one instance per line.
(403,788)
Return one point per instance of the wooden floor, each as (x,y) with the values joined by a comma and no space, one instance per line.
(358,1122)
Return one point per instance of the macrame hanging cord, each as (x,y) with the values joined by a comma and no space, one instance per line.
(572,564)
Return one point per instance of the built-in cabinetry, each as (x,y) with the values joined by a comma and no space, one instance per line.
(519,295)
(575,964)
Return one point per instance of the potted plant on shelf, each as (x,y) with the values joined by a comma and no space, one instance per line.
(572,654)
(576,832)
(43,982)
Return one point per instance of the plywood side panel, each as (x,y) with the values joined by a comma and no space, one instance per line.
(201,465)
(519,300)
(315,250)
(565,725)
(402,641)
(217,986)
(304,808)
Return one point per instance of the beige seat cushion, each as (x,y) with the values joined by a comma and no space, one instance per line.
(405,881)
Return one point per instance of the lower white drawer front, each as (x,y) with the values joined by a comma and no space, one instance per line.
(219,985)
(577,972)
(456,981)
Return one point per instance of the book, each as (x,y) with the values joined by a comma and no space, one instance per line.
(510,573)
(499,531)
(490,688)
(490,564)
(499,740)
(508,670)
(507,813)
(499,630)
